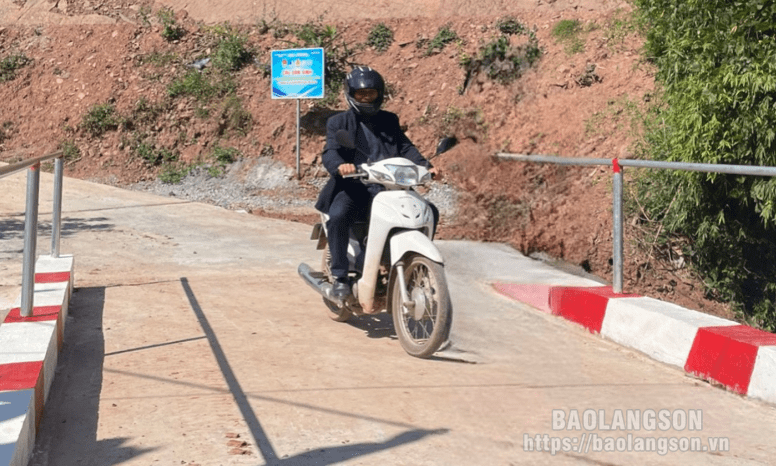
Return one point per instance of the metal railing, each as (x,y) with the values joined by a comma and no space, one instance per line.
(31,219)
(617,164)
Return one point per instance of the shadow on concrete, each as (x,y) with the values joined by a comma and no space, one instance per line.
(68,432)
(376,326)
(334,455)
(158,345)
(13,228)
(321,456)
(240,398)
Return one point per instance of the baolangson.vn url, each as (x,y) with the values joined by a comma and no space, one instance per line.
(593,443)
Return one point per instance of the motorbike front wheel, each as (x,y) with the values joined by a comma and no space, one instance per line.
(424,328)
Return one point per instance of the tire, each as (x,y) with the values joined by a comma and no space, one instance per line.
(335,313)
(427,286)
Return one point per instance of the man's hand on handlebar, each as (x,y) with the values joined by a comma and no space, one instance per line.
(346,169)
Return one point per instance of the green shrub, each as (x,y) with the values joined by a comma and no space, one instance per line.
(622,25)
(715,66)
(202,85)
(153,155)
(5,130)
(144,15)
(235,117)
(173,174)
(171,31)
(194,84)
(503,62)
(568,31)
(70,150)
(380,37)
(225,155)
(142,145)
(145,112)
(316,34)
(100,119)
(468,123)
(159,59)
(510,26)
(444,36)
(232,52)
(10,64)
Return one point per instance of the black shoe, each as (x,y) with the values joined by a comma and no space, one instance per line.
(341,288)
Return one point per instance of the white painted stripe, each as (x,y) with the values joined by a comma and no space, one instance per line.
(17,434)
(52,286)
(661,330)
(48,264)
(25,341)
(762,385)
(9,431)
(47,294)
(63,263)
(14,407)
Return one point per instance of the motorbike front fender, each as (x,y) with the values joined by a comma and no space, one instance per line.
(413,241)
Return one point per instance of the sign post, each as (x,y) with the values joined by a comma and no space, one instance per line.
(298,74)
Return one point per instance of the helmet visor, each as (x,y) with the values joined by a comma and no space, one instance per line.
(365,96)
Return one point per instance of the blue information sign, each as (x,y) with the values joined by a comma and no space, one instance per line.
(297,74)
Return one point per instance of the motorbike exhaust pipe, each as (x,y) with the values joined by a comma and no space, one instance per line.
(317,282)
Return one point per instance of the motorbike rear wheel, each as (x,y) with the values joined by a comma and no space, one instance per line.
(423,330)
(335,313)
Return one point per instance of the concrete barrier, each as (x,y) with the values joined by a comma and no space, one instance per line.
(740,358)
(29,347)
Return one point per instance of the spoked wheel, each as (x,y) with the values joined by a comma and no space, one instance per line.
(339,314)
(425,325)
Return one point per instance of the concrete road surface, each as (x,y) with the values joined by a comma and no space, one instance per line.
(192,341)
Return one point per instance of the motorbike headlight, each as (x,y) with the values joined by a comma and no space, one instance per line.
(380,176)
(404,175)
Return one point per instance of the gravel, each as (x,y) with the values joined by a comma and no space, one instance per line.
(267,185)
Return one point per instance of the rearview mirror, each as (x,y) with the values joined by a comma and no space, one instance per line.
(445,145)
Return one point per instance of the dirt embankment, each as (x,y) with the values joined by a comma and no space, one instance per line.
(578,100)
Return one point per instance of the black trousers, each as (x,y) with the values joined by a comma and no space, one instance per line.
(349,206)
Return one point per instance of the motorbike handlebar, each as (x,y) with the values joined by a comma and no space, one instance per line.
(358,174)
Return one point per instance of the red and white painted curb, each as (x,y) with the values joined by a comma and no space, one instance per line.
(741,358)
(29,347)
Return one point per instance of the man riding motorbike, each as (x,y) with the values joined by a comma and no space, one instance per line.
(377,136)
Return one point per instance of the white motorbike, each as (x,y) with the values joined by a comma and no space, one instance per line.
(394,265)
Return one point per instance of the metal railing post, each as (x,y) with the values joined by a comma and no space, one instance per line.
(617,226)
(30,240)
(298,157)
(56,222)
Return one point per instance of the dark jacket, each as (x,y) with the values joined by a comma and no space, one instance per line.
(385,126)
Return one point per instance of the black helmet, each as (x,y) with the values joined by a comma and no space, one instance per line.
(363,77)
